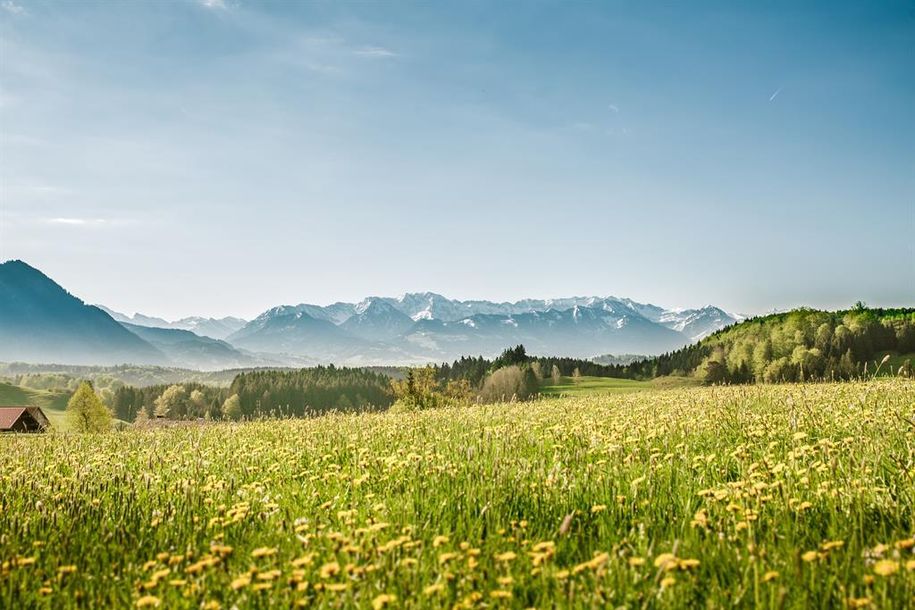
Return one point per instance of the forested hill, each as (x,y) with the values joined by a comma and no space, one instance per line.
(804,344)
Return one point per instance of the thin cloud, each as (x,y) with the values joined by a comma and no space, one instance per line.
(11,7)
(614,108)
(214,4)
(78,222)
(775,95)
(379,52)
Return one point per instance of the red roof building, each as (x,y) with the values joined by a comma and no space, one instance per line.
(23,419)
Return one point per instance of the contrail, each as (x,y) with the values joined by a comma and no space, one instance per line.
(774,95)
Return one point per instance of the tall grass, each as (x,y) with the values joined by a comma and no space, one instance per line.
(797,496)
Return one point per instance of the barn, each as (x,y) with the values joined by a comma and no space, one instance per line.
(23,419)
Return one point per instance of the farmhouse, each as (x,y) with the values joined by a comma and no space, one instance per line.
(23,419)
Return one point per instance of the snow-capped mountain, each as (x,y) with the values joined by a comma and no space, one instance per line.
(214,328)
(419,327)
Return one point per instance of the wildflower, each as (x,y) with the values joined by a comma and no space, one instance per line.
(507,556)
(337,587)
(859,602)
(770,576)
(810,556)
(382,600)
(439,541)
(668,581)
(269,575)
(636,561)
(886,567)
(147,600)
(433,589)
(330,569)
(500,594)
(666,561)
(446,557)
(242,581)
(598,508)
(263,552)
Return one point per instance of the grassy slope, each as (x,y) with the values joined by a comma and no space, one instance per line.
(607,385)
(52,402)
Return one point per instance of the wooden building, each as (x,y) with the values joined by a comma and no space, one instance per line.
(23,419)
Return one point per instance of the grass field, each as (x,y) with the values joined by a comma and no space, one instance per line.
(53,403)
(584,385)
(794,496)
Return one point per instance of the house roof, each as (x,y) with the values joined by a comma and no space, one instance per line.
(10,415)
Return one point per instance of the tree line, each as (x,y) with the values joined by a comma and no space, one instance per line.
(259,393)
(803,344)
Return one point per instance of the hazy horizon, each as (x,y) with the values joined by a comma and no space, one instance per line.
(221,157)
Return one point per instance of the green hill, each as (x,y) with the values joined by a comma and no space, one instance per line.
(52,402)
(804,344)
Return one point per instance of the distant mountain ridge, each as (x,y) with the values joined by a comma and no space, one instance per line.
(419,327)
(215,328)
(41,322)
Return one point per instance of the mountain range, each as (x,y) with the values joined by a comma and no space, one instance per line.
(41,322)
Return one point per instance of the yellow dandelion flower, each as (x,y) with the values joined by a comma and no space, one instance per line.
(439,541)
(505,580)
(910,565)
(636,561)
(668,581)
(263,552)
(810,556)
(859,602)
(269,575)
(500,594)
(382,600)
(886,567)
(666,561)
(336,587)
(330,569)
(598,508)
(687,564)
(446,557)
(770,576)
(433,589)
(507,556)
(242,581)
(147,601)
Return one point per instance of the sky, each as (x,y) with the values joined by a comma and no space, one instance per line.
(220,157)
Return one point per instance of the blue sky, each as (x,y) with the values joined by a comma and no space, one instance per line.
(221,157)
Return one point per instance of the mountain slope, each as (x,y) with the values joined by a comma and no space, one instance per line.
(42,322)
(377,320)
(215,328)
(186,349)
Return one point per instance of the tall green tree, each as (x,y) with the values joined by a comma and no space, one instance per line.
(86,410)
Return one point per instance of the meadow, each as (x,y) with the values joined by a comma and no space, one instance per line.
(787,496)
